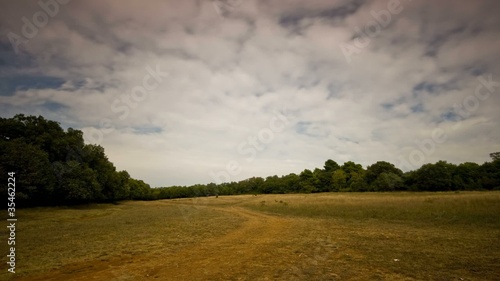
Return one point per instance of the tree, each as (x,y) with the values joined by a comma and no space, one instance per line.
(122,190)
(357,181)
(272,184)
(35,180)
(490,175)
(308,182)
(78,184)
(35,130)
(254,185)
(434,177)
(339,180)
(331,166)
(108,178)
(325,175)
(387,181)
(467,176)
(495,156)
(373,171)
(322,180)
(139,190)
(292,182)
(354,174)
(349,167)
(54,166)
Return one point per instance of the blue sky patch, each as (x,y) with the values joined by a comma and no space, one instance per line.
(146,130)
(54,106)
(417,108)
(424,86)
(10,85)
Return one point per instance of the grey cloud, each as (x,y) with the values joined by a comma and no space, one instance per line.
(230,73)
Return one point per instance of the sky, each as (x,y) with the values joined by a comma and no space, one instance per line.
(200,91)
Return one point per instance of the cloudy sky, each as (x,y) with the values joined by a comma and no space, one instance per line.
(199,91)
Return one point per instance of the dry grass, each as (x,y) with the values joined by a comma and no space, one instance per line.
(466,208)
(341,236)
(433,236)
(48,238)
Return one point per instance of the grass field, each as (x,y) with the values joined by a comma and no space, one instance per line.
(328,236)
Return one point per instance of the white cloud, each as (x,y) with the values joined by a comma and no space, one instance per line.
(227,78)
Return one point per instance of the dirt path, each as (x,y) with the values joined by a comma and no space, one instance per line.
(250,252)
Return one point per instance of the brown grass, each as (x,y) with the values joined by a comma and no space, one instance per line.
(341,236)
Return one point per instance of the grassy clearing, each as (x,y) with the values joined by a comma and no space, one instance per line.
(51,237)
(466,208)
(395,236)
(334,236)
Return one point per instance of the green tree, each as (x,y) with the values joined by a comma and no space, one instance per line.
(467,176)
(495,156)
(354,174)
(387,181)
(373,171)
(123,188)
(357,181)
(350,167)
(339,180)
(322,180)
(35,180)
(273,184)
(78,184)
(490,175)
(292,183)
(434,177)
(308,182)
(254,185)
(108,178)
(37,131)
(139,190)
(331,166)
(56,167)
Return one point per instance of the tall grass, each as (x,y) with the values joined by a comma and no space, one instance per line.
(472,208)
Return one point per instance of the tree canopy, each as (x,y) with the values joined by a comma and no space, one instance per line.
(55,167)
(379,177)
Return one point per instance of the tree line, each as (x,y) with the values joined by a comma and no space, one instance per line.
(53,166)
(351,177)
(56,167)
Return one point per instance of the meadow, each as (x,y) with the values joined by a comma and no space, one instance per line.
(324,236)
